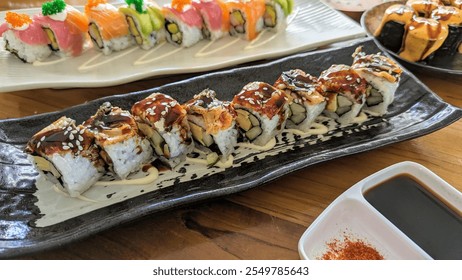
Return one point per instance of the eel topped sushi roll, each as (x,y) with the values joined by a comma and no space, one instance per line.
(65,26)
(145,22)
(262,112)
(68,153)
(215,17)
(452,17)
(276,13)
(345,92)
(183,23)
(305,102)
(383,76)
(123,147)
(108,28)
(246,18)
(212,123)
(163,120)
(24,38)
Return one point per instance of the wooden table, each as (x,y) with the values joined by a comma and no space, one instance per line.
(265,222)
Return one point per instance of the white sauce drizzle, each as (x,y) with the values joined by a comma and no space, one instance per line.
(362,117)
(316,129)
(221,164)
(268,146)
(202,52)
(85,66)
(291,17)
(50,62)
(142,60)
(81,197)
(153,174)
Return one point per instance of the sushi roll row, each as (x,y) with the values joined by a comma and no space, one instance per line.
(62,29)
(159,127)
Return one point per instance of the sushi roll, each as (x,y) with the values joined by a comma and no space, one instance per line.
(276,13)
(345,92)
(305,102)
(452,17)
(145,22)
(24,38)
(183,23)
(215,17)
(108,28)
(163,120)
(246,18)
(65,26)
(68,153)
(123,147)
(391,31)
(262,112)
(383,76)
(456,3)
(423,8)
(213,124)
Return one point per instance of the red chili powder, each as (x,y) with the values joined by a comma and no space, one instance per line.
(350,250)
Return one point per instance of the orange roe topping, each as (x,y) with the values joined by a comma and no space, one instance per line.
(17,20)
(180,4)
(93,3)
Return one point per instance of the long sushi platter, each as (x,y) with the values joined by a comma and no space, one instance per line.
(102,45)
(72,173)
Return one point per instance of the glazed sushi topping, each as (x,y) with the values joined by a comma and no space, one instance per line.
(18,21)
(53,7)
(423,7)
(448,15)
(377,64)
(342,78)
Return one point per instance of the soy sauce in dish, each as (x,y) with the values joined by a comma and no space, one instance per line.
(419,214)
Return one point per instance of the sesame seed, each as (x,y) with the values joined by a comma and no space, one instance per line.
(69,128)
(358,80)
(82,131)
(77,142)
(43,138)
(71,136)
(80,148)
(70,145)
(251,102)
(66,147)
(80,138)
(38,144)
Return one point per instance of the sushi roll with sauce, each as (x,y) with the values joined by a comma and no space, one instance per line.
(423,8)
(65,26)
(305,102)
(262,112)
(183,23)
(213,125)
(24,38)
(276,13)
(215,17)
(456,3)
(163,120)
(108,28)
(246,18)
(68,153)
(452,17)
(145,22)
(383,76)
(124,149)
(392,28)
(345,92)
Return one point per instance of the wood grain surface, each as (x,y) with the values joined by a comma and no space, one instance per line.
(263,223)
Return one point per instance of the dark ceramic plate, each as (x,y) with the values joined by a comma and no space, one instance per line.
(441,66)
(416,111)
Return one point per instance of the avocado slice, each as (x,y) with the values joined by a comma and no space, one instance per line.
(144,20)
(157,19)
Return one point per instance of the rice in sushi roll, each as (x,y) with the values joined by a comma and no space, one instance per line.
(108,28)
(276,13)
(262,112)
(246,18)
(24,38)
(306,103)
(345,92)
(163,120)
(183,23)
(213,124)
(123,147)
(65,26)
(383,76)
(215,18)
(68,153)
(145,22)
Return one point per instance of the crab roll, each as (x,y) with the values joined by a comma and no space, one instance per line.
(163,120)
(305,102)
(124,149)
(391,31)
(65,26)
(452,17)
(261,112)
(246,18)
(383,76)
(145,22)
(213,124)
(215,18)
(68,153)
(276,13)
(24,38)
(345,92)
(108,28)
(183,23)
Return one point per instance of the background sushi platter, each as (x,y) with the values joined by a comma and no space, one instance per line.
(311,25)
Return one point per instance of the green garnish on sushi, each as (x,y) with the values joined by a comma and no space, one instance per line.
(138,5)
(53,7)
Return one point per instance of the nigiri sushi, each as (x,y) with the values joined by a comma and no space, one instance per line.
(108,28)
(65,26)
(68,153)
(145,22)
(246,18)
(215,16)
(123,147)
(24,37)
